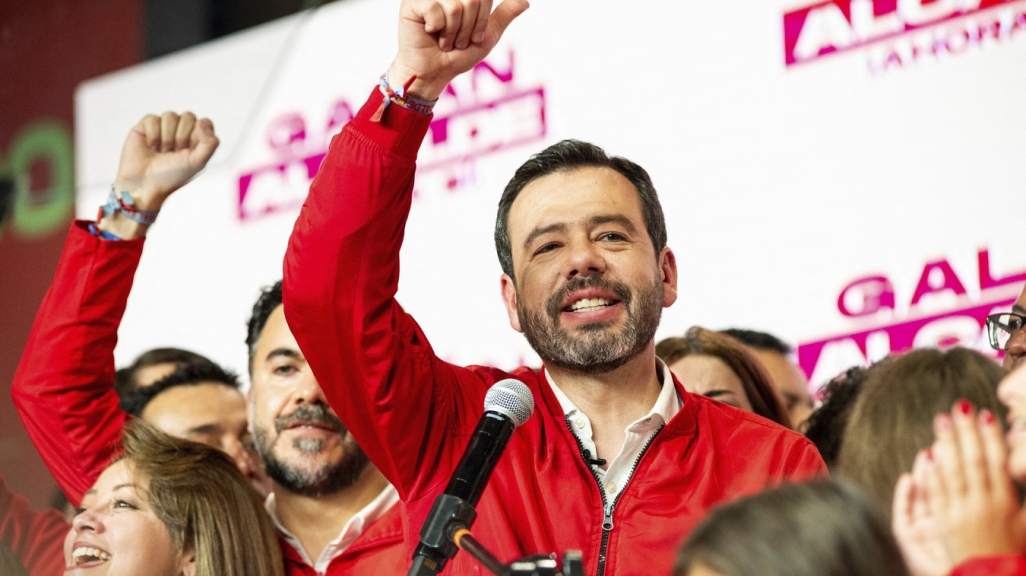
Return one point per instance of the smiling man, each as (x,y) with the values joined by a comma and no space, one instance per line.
(619,461)
(336,514)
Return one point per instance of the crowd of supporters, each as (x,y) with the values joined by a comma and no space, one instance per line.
(703,454)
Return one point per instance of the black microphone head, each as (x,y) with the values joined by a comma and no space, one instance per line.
(512,398)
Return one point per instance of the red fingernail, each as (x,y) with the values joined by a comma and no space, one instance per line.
(964,407)
(987,416)
(929,454)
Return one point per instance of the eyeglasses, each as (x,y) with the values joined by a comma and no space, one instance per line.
(1001,327)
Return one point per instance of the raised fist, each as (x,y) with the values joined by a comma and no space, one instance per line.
(161,154)
(441,39)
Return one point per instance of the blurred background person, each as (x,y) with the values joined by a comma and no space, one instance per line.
(29,541)
(715,365)
(815,529)
(153,365)
(825,426)
(893,416)
(786,377)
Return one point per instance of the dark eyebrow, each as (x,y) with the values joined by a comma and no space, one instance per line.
(287,353)
(543,230)
(1019,310)
(204,429)
(612,219)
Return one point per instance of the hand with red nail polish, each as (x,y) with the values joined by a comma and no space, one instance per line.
(968,498)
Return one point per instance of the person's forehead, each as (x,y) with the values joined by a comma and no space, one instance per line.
(118,473)
(573,196)
(206,400)
(275,335)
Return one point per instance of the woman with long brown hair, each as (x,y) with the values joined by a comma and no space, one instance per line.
(715,365)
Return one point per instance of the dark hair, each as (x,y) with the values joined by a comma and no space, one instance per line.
(760,340)
(125,382)
(825,426)
(190,375)
(892,419)
(269,300)
(756,382)
(821,528)
(567,156)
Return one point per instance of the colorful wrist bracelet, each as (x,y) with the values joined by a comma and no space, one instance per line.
(102,234)
(399,97)
(126,206)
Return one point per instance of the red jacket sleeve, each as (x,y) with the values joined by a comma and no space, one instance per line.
(1007,565)
(341,274)
(63,387)
(36,538)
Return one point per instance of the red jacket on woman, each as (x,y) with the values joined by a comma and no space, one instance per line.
(412,412)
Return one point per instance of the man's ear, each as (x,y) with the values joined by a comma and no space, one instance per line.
(509,299)
(668,268)
(187,563)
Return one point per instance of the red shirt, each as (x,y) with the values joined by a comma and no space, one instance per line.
(412,412)
(36,538)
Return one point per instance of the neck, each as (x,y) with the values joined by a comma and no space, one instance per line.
(612,401)
(317,520)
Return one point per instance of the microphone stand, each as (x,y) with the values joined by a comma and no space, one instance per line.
(446,531)
(537,565)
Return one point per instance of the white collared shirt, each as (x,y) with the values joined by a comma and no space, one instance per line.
(350,532)
(616,476)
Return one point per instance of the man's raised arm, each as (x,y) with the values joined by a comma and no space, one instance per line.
(342,264)
(63,388)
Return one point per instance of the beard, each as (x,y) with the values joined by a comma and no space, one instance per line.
(325,477)
(597,348)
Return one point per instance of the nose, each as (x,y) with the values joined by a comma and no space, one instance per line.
(88,519)
(1015,350)
(584,259)
(308,390)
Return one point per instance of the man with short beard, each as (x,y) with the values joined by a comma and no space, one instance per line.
(336,514)
(619,461)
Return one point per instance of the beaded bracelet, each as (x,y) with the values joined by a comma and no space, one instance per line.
(126,206)
(401,98)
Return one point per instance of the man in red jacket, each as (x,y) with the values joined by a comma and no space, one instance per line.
(618,460)
(63,387)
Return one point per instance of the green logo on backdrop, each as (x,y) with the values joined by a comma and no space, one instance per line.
(42,212)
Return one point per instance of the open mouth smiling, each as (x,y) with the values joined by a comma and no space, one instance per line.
(589,305)
(85,555)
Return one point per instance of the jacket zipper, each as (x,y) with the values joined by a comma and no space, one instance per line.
(607,519)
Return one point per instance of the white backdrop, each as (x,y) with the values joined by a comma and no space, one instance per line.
(796,151)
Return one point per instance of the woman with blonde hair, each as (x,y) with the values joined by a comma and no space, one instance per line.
(171,507)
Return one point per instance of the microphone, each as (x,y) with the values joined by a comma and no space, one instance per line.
(507,404)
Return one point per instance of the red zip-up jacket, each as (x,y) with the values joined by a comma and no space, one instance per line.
(1007,565)
(64,391)
(412,412)
(36,538)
